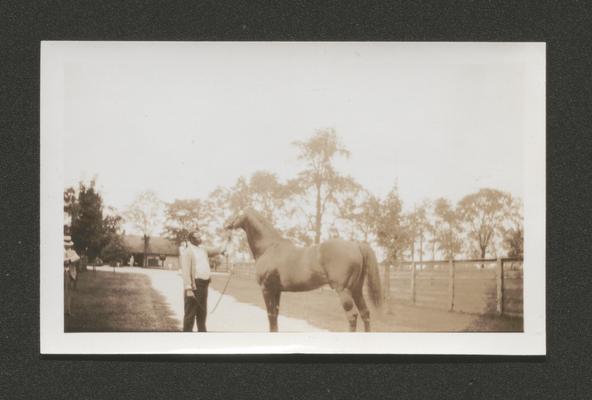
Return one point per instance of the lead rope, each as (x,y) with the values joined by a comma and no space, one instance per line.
(230,270)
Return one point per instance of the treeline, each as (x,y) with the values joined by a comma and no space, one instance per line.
(320,202)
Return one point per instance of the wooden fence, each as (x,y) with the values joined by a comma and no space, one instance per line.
(483,286)
(480,286)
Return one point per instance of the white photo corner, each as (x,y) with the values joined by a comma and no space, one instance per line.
(275,197)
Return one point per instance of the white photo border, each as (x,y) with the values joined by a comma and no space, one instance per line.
(53,339)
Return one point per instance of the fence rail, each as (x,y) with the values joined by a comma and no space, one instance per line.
(483,286)
(480,286)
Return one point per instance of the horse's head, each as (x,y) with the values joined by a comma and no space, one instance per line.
(236,221)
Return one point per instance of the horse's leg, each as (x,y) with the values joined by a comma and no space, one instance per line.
(362,307)
(272,303)
(273,323)
(347,302)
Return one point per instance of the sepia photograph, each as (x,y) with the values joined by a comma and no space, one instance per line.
(292,197)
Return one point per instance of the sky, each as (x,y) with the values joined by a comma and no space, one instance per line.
(438,120)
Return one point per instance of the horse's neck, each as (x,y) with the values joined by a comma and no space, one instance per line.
(260,237)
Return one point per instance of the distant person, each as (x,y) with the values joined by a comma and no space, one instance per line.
(70,273)
(131,261)
(195,269)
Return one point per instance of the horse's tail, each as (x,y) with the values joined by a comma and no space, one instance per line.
(370,265)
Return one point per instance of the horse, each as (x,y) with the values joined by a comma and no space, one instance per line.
(282,266)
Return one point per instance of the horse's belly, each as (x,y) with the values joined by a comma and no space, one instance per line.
(300,281)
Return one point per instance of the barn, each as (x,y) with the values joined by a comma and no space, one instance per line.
(160,252)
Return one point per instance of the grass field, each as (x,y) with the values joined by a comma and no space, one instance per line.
(323,309)
(121,302)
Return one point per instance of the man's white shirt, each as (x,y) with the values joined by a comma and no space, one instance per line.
(194,264)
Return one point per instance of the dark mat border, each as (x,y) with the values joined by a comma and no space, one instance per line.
(563,373)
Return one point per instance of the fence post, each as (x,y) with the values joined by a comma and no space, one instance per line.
(499,274)
(451,284)
(413,272)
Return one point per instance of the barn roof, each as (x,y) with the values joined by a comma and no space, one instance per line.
(156,245)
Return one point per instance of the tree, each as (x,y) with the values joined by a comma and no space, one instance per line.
(360,211)
(483,214)
(514,243)
(87,219)
(146,213)
(238,196)
(217,209)
(267,195)
(418,226)
(221,205)
(319,176)
(182,217)
(390,232)
(262,192)
(447,229)
(113,248)
(237,199)
(513,230)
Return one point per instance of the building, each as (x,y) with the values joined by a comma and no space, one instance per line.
(160,252)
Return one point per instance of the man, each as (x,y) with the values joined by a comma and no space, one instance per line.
(195,268)
(70,273)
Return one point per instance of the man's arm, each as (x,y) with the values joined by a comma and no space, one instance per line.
(185,261)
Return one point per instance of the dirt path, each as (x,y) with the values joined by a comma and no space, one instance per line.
(230,315)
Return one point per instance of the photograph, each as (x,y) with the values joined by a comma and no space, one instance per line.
(292,197)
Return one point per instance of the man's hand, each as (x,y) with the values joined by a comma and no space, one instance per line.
(189,293)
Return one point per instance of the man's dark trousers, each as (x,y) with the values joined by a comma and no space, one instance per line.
(196,309)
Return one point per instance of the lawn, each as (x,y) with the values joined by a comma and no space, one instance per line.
(118,302)
(323,309)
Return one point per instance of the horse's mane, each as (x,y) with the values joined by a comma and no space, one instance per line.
(261,220)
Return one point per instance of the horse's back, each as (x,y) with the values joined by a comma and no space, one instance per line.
(339,250)
(291,267)
(336,262)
